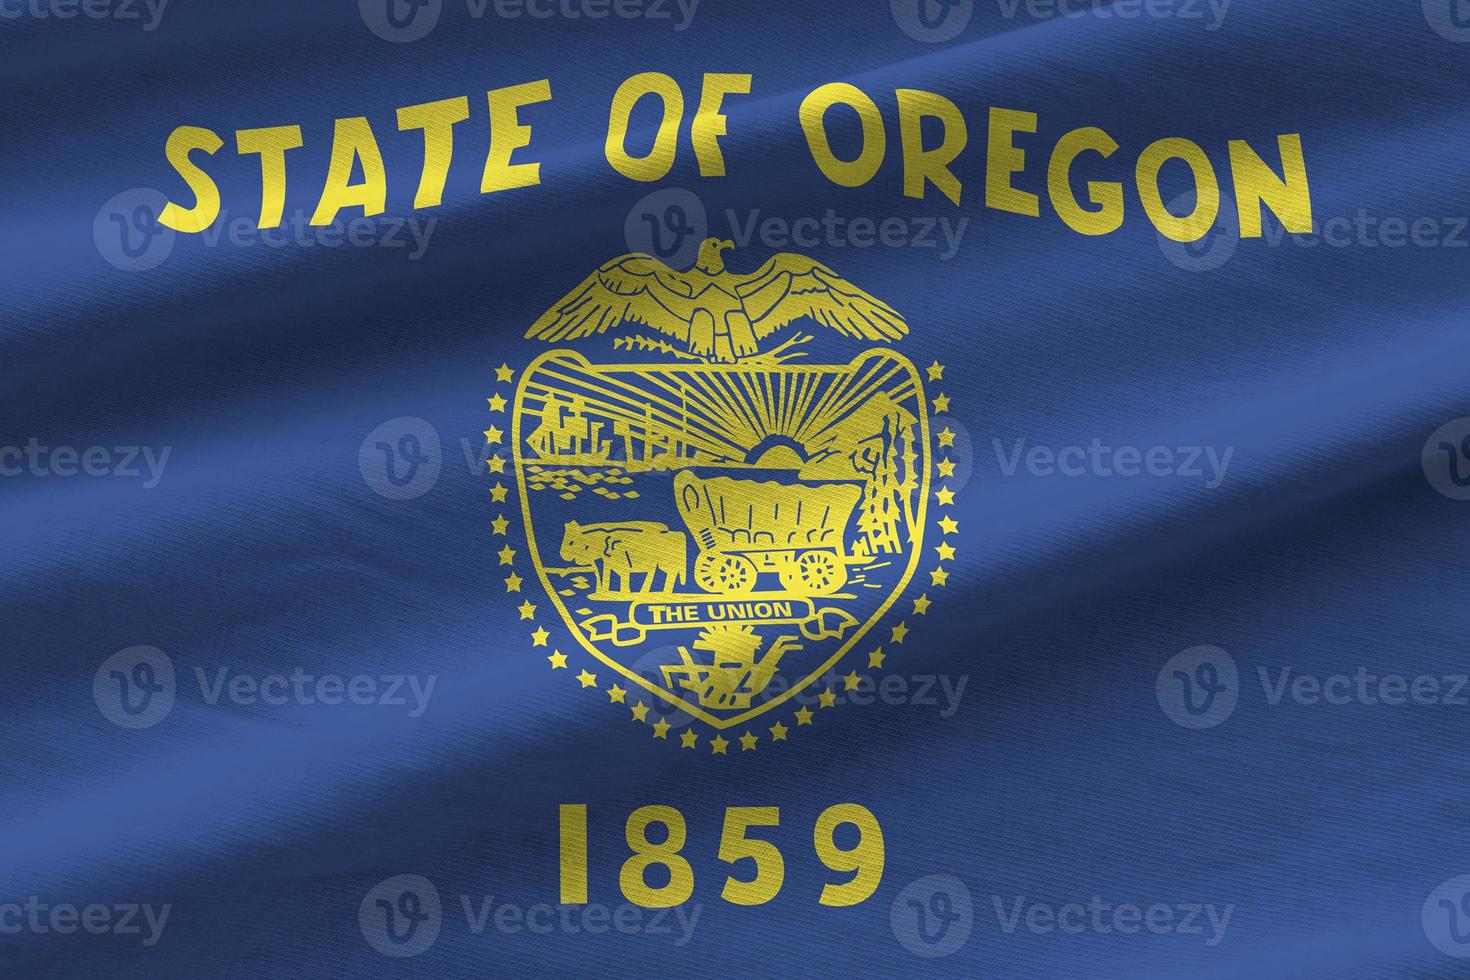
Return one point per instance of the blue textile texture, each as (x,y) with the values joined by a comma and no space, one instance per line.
(1167,677)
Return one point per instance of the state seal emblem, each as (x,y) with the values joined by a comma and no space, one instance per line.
(717,519)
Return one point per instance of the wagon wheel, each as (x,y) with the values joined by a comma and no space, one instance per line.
(723,574)
(814,573)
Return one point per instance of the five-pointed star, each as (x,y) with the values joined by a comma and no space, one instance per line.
(946,552)
(503,373)
(538,638)
(499,524)
(640,711)
(804,716)
(949,524)
(616,694)
(497,404)
(747,742)
(493,434)
(688,740)
(899,632)
(507,555)
(497,493)
(945,496)
(851,681)
(586,679)
(661,729)
(946,437)
(946,467)
(778,732)
(921,605)
(513,583)
(938,577)
(941,404)
(497,464)
(528,610)
(936,371)
(718,745)
(827,699)
(558,660)
(876,658)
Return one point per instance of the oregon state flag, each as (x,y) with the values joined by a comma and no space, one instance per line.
(727,489)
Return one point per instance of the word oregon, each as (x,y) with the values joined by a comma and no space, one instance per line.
(1074,171)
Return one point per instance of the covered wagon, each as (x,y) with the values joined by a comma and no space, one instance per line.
(744,528)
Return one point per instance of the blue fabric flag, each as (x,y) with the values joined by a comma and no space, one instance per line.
(707,488)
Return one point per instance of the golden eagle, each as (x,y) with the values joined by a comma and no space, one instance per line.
(721,315)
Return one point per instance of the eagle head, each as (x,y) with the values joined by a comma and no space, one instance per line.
(709,260)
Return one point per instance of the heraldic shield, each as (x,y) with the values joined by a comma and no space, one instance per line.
(721,525)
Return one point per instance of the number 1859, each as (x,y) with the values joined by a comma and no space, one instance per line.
(864,860)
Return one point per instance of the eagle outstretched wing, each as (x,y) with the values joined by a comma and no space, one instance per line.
(792,286)
(632,287)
